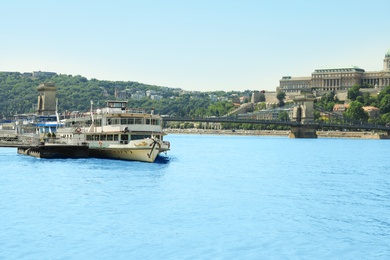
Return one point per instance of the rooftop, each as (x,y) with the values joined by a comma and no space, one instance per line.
(342,69)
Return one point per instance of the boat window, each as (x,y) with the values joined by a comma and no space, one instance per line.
(127,121)
(147,121)
(110,137)
(138,121)
(124,137)
(103,138)
(138,137)
(155,122)
(113,121)
(95,137)
(89,137)
(97,122)
(115,137)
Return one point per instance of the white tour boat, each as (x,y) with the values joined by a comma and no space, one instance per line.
(116,132)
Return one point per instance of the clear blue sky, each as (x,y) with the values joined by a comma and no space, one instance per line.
(195,44)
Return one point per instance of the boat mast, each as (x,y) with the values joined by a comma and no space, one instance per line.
(91,129)
(57,116)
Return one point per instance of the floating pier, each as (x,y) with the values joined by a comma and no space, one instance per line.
(55,151)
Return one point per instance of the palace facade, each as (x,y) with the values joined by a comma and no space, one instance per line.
(337,80)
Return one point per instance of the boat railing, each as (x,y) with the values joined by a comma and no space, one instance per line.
(112,110)
(136,110)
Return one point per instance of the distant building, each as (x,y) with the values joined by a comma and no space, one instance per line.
(184,92)
(120,94)
(214,98)
(138,95)
(255,97)
(268,114)
(337,79)
(340,108)
(235,98)
(373,112)
(297,85)
(243,99)
(37,74)
(150,92)
(223,99)
(156,97)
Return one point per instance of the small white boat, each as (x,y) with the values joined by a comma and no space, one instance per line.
(116,132)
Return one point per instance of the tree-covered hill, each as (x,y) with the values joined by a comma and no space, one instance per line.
(18,94)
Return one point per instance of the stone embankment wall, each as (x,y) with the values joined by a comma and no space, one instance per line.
(320,134)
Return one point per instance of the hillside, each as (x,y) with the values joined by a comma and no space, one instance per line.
(18,94)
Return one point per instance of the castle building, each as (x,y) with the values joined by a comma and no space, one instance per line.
(337,79)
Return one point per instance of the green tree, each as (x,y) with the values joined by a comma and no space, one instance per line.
(261,97)
(281,96)
(329,106)
(354,92)
(260,106)
(385,119)
(329,97)
(384,92)
(384,104)
(356,112)
(369,100)
(283,116)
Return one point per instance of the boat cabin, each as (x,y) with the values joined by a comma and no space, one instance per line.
(115,123)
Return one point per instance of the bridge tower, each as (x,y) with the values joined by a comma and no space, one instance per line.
(304,109)
(304,113)
(46,99)
(386,62)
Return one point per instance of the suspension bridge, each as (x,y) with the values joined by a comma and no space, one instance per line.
(302,124)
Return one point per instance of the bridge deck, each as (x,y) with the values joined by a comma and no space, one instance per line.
(317,125)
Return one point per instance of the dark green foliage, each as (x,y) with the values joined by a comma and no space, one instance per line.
(261,97)
(354,92)
(356,112)
(18,94)
(283,116)
(281,96)
(384,104)
(384,92)
(327,101)
(385,119)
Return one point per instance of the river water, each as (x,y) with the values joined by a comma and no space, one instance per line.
(211,197)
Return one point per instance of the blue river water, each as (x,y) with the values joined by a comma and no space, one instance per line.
(211,197)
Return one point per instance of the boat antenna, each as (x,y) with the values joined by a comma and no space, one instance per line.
(57,116)
(92,127)
(92,110)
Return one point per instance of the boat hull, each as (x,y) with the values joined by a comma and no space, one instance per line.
(141,154)
(144,150)
(55,151)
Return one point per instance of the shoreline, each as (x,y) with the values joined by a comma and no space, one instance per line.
(320,134)
(280,133)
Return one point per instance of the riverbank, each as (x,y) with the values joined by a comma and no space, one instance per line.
(320,134)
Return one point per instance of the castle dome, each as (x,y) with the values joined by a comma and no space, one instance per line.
(387,53)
